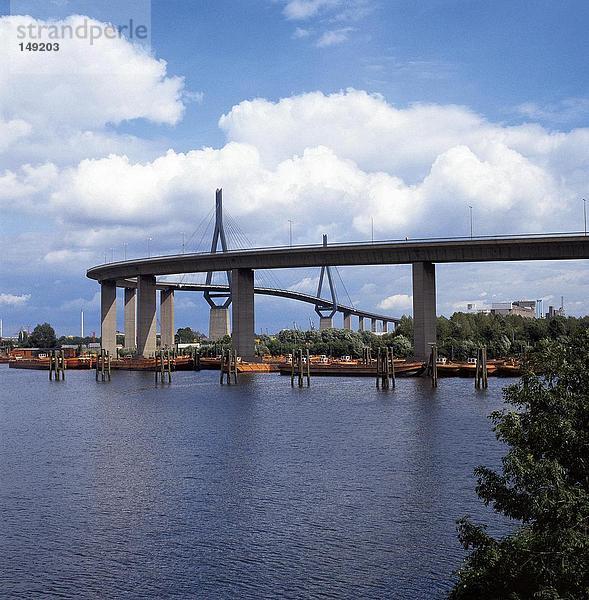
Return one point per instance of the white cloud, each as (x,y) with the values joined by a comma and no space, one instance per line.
(83,85)
(313,158)
(300,33)
(13,300)
(569,109)
(334,37)
(396,302)
(307,285)
(13,131)
(304,9)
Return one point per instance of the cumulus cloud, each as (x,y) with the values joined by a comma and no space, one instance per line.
(14,300)
(340,164)
(396,302)
(85,85)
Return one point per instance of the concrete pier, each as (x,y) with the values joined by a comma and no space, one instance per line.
(385,326)
(360,323)
(242,292)
(325,323)
(167,318)
(130,318)
(347,321)
(218,322)
(108,316)
(424,308)
(373,325)
(146,316)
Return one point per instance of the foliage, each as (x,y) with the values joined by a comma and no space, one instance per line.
(335,342)
(186,335)
(459,336)
(544,485)
(43,336)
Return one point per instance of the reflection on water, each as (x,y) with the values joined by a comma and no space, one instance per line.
(256,490)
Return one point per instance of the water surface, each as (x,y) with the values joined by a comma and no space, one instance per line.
(197,490)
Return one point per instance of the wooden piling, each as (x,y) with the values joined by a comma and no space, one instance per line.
(393,377)
(434,365)
(228,366)
(378,369)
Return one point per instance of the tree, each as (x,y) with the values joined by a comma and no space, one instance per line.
(186,335)
(43,336)
(544,484)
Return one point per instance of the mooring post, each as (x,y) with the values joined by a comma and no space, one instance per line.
(393,368)
(300,367)
(292,367)
(434,365)
(478,369)
(108,362)
(63,363)
(222,366)
(387,368)
(308,368)
(485,371)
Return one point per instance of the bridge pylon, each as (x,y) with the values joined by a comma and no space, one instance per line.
(218,302)
(326,314)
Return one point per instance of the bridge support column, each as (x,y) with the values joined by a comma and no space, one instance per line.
(373,325)
(218,322)
(385,326)
(360,323)
(424,308)
(146,321)
(242,293)
(325,323)
(108,316)
(130,322)
(167,318)
(347,321)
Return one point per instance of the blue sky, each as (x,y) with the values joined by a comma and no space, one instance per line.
(406,112)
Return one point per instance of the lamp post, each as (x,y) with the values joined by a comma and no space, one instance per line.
(470,211)
(125,250)
(290,232)
(372,229)
(183,242)
(585,214)
(148,248)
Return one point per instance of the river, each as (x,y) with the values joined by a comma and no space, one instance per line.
(258,490)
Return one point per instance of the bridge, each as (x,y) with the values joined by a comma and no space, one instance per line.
(421,254)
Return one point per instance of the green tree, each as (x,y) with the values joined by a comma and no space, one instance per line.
(186,335)
(544,484)
(43,336)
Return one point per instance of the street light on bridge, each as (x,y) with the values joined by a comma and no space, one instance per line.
(148,248)
(585,214)
(470,210)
